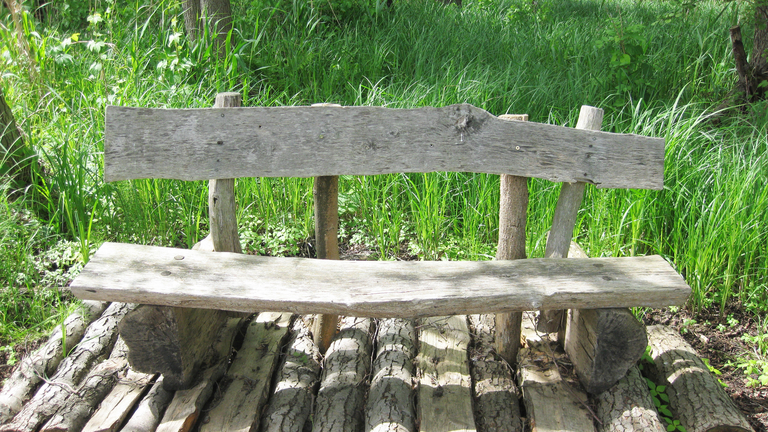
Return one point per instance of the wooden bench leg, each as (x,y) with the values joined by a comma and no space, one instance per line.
(326,195)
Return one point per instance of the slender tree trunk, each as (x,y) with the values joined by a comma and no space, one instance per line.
(754,73)
(15,157)
(217,13)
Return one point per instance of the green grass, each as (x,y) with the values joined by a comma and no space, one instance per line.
(511,56)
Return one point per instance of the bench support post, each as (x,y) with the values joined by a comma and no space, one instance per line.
(177,342)
(513,211)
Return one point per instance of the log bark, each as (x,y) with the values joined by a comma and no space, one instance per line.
(445,385)
(628,406)
(97,342)
(185,407)
(564,220)
(695,397)
(150,410)
(74,410)
(245,387)
(42,363)
(603,344)
(553,402)
(326,198)
(341,398)
(497,404)
(390,405)
(119,403)
(292,402)
(513,213)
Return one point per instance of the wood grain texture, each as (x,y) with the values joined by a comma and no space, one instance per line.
(120,401)
(173,341)
(603,344)
(553,402)
(19,387)
(445,385)
(390,406)
(292,401)
(341,397)
(245,387)
(150,410)
(202,144)
(227,281)
(628,406)
(497,405)
(513,214)
(695,397)
(564,220)
(326,197)
(184,409)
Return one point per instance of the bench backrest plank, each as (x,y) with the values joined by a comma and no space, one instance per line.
(187,278)
(202,144)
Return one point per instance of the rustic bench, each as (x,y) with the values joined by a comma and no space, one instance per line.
(190,289)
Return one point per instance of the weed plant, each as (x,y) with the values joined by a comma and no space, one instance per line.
(655,68)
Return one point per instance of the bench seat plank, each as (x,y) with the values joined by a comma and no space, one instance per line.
(202,144)
(398,289)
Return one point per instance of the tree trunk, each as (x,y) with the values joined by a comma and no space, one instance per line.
(16,157)
(751,74)
(218,15)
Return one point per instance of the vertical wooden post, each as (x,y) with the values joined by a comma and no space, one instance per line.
(326,195)
(513,211)
(221,197)
(559,240)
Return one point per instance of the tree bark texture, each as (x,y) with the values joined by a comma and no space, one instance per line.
(564,221)
(96,343)
(628,406)
(43,363)
(291,404)
(217,14)
(75,409)
(341,398)
(695,397)
(755,71)
(497,404)
(390,405)
(15,156)
(513,212)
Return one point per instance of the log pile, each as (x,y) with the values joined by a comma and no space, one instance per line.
(436,374)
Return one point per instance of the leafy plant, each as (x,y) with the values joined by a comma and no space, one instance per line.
(626,46)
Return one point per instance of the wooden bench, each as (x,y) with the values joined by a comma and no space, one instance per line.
(189,289)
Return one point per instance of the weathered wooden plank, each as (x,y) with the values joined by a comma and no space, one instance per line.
(552,403)
(445,385)
(326,196)
(695,397)
(42,363)
(116,406)
(185,407)
(341,397)
(97,342)
(201,144)
(291,404)
(390,405)
(245,387)
(497,404)
(150,410)
(628,407)
(178,277)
